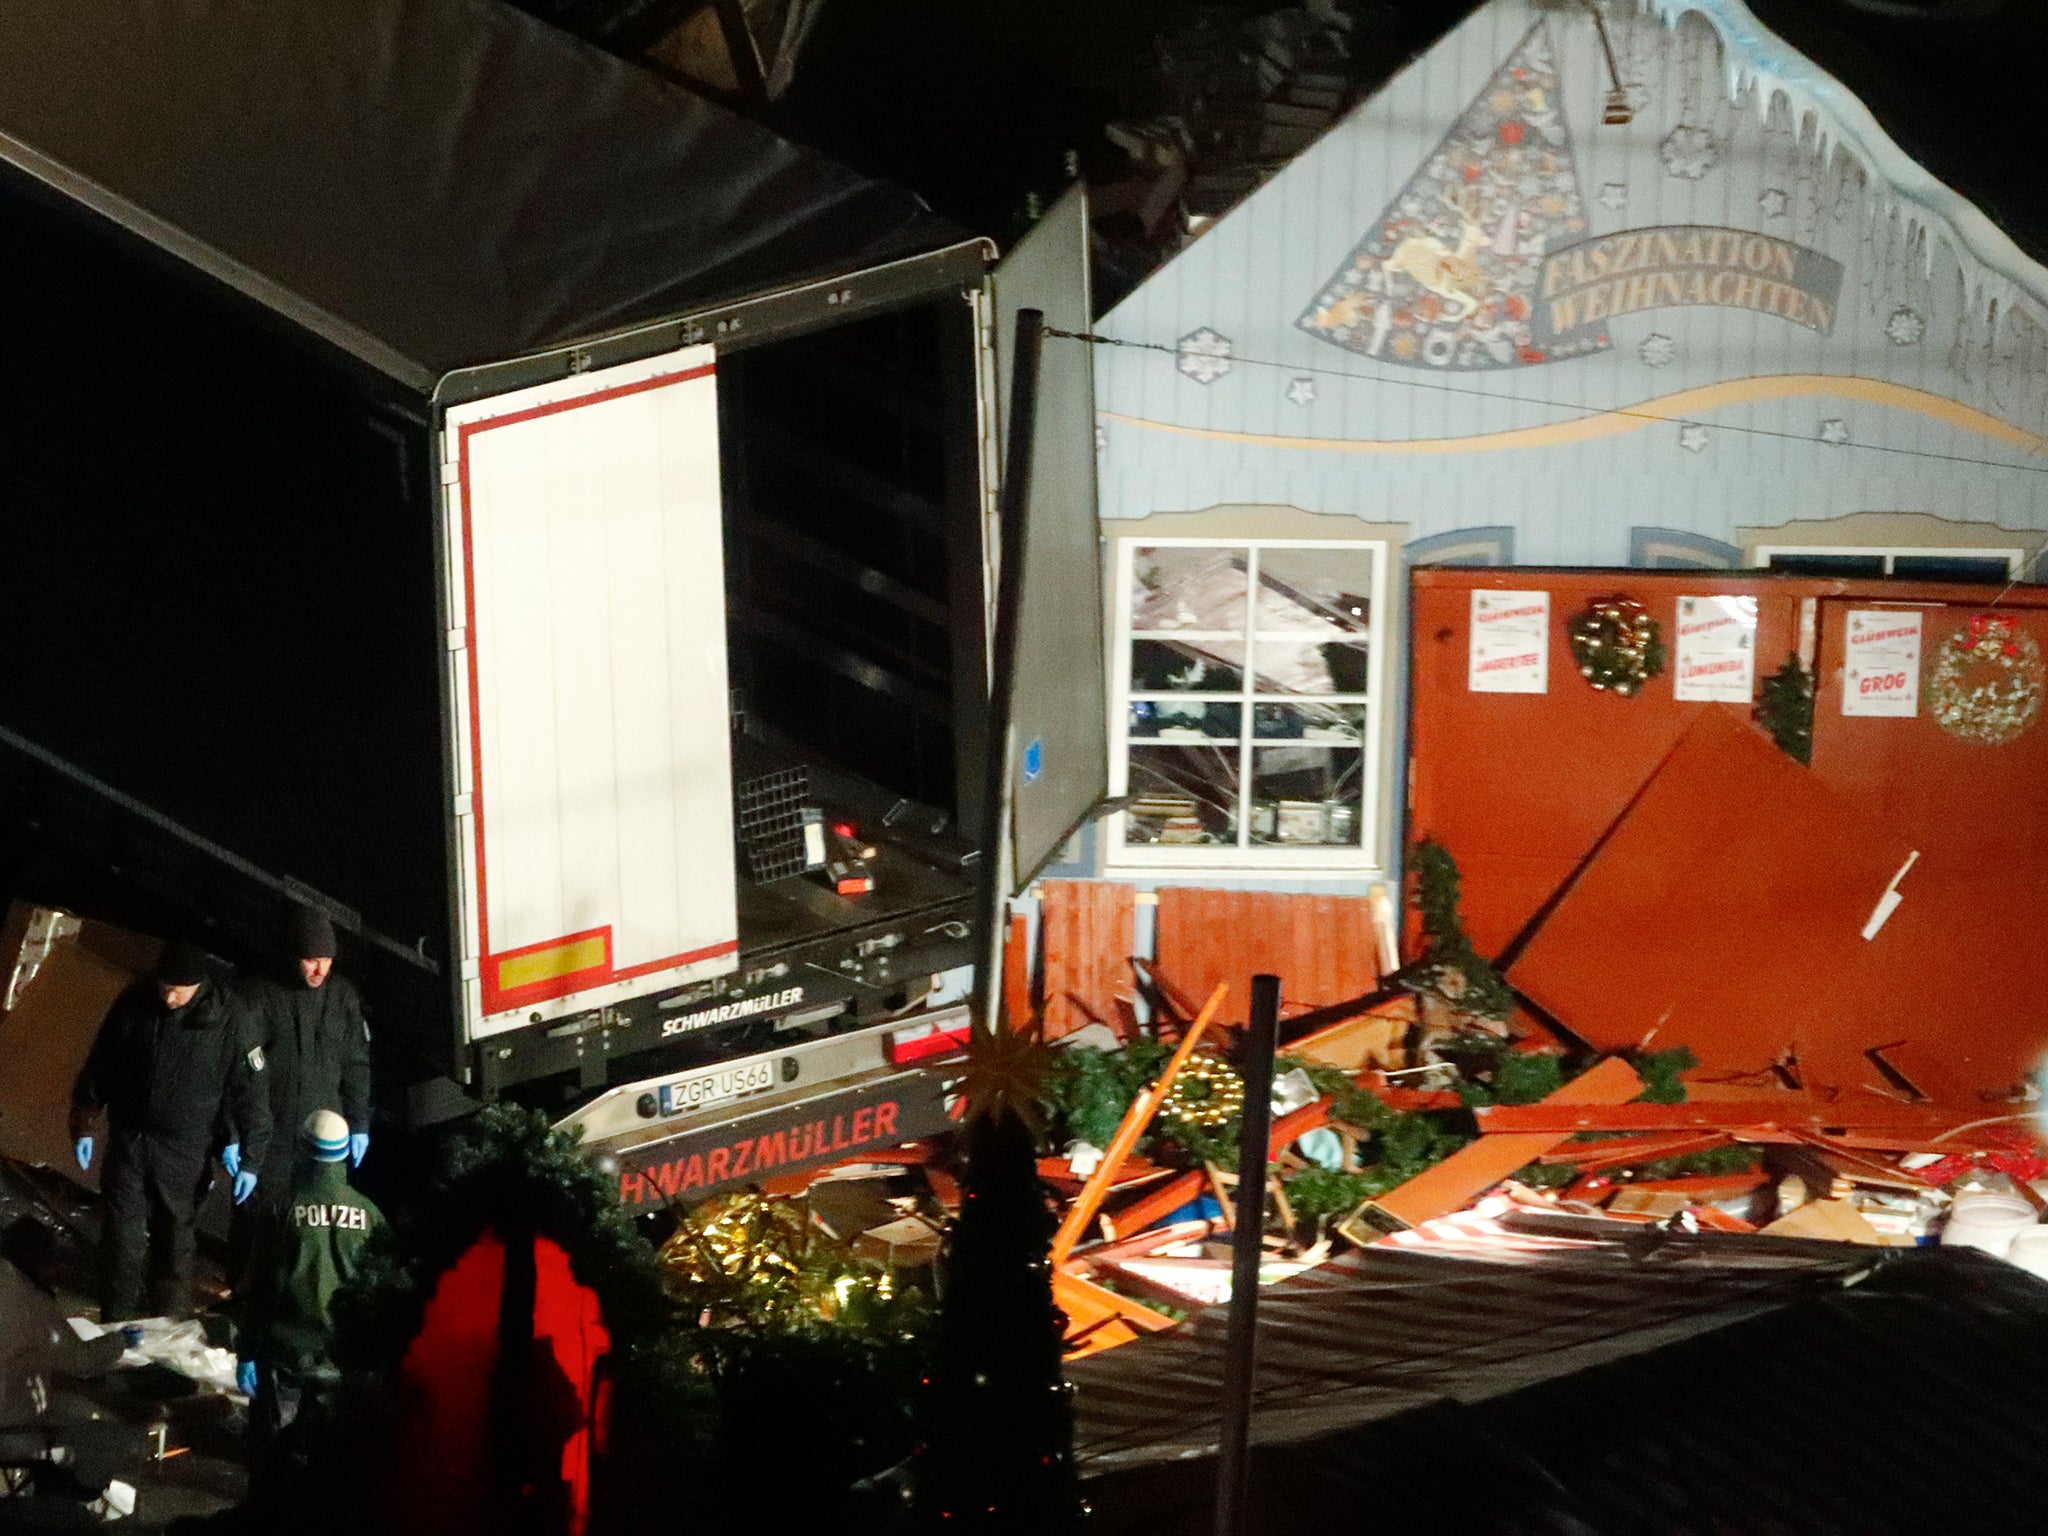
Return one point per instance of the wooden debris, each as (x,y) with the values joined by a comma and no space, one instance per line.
(1135,1120)
(1476,1168)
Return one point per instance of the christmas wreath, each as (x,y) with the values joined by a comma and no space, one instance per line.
(1985,685)
(1208,1093)
(1616,644)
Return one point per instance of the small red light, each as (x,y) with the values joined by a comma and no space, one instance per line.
(843,828)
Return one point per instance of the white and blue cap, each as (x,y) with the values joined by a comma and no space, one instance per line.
(327,1134)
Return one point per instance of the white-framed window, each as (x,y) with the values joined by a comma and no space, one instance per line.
(1246,702)
(1906,563)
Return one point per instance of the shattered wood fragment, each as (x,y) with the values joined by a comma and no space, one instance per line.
(1598,1156)
(1831,1220)
(1376,1038)
(1144,1243)
(1704,1186)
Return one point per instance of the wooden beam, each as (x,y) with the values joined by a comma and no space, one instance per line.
(1555,1115)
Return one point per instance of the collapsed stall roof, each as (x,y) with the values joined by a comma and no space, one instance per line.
(428,184)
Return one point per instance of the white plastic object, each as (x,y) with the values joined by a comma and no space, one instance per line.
(1987,1221)
(2029,1250)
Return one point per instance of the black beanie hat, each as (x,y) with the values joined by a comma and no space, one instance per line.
(183,965)
(312,935)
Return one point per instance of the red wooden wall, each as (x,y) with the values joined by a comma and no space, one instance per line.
(1321,947)
(1520,789)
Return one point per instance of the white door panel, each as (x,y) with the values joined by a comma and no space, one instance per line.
(589,566)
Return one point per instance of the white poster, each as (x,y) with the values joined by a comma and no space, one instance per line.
(1510,642)
(1881,671)
(1716,650)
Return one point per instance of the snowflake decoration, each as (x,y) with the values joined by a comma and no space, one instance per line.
(1689,153)
(1301,391)
(1692,437)
(1905,326)
(1834,431)
(1203,355)
(1657,349)
(1775,202)
(1614,197)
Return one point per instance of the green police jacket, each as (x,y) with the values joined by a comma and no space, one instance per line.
(310,1248)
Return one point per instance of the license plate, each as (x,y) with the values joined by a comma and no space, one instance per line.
(702,1089)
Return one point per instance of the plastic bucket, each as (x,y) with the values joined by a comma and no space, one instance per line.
(1987,1221)
(2029,1250)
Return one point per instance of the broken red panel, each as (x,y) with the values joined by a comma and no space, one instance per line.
(1725,912)
(1978,814)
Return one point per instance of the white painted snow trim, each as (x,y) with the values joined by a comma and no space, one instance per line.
(1761,62)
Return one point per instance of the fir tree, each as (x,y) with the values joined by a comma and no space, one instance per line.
(998,1454)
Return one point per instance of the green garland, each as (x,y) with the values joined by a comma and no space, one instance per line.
(1786,709)
(1450,968)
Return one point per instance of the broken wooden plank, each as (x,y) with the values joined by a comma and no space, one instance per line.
(1554,1116)
(1477,1167)
(1624,1151)
(1097,1317)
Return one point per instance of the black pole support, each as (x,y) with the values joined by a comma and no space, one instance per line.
(1233,1467)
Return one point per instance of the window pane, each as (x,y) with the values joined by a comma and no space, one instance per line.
(1830,565)
(1343,724)
(1951,568)
(1182,587)
(1307,796)
(1306,666)
(1315,591)
(1184,795)
(1174,720)
(1187,666)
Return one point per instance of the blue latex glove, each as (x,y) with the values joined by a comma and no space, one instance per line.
(231,1158)
(358,1144)
(245,1185)
(245,1378)
(84,1151)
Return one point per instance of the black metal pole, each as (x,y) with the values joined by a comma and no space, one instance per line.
(1010,504)
(1247,1246)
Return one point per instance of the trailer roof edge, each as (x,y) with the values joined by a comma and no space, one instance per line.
(774,314)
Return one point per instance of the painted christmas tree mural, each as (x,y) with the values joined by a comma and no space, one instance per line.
(1447,276)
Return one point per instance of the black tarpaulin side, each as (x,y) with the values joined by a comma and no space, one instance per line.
(431,183)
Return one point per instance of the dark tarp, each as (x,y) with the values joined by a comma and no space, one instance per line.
(430,184)
(1874,1392)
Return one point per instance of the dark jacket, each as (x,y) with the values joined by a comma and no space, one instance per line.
(316,1050)
(164,1075)
(310,1246)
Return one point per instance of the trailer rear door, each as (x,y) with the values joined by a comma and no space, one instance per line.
(1061,770)
(588,705)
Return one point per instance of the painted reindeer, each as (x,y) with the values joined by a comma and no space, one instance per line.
(1451,275)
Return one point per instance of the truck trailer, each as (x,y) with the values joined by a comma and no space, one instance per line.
(548,522)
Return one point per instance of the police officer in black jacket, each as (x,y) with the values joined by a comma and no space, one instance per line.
(169,1057)
(316,1050)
